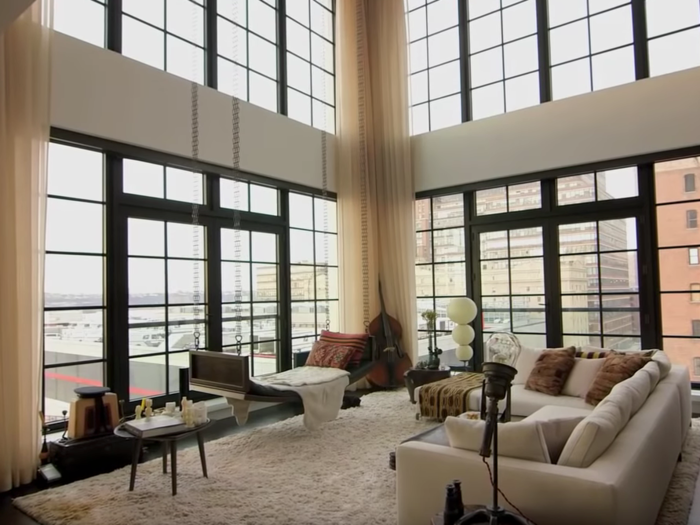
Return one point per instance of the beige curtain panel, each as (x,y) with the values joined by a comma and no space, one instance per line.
(372,115)
(25,77)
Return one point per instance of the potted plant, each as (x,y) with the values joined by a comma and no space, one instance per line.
(430,316)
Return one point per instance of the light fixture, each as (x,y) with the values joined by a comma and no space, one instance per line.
(461,312)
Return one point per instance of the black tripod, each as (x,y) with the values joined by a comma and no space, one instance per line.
(498,378)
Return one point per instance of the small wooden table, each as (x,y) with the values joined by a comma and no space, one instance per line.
(416,377)
(167,441)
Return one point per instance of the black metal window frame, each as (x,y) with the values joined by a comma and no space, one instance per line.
(550,216)
(120,206)
(114,41)
(640,48)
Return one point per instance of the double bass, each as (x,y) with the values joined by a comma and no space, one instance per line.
(394,362)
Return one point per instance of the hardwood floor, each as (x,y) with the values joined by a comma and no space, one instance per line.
(9,515)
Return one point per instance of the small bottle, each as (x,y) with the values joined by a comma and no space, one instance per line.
(451,513)
(459,503)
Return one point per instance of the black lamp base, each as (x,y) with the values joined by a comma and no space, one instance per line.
(489,516)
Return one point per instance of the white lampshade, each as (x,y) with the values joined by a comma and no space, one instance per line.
(464,352)
(463,334)
(461,310)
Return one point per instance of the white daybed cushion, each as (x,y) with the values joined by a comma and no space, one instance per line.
(581,377)
(596,433)
(558,423)
(521,440)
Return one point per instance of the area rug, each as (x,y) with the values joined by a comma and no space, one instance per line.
(284,473)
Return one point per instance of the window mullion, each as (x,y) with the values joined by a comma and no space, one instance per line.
(641,48)
(211,44)
(465,75)
(545,70)
(114,25)
(282,101)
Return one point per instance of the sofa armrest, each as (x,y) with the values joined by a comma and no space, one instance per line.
(539,490)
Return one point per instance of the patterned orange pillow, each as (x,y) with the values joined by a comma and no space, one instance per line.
(356,341)
(329,355)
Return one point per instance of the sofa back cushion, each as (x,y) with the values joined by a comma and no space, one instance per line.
(557,423)
(616,368)
(581,377)
(521,439)
(525,363)
(551,371)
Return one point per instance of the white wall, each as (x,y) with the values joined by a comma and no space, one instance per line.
(103,94)
(647,116)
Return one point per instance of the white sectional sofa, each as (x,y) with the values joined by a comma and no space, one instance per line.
(624,451)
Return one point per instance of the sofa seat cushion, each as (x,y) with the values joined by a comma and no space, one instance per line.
(521,440)
(557,423)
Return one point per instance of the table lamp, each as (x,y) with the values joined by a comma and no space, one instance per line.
(461,312)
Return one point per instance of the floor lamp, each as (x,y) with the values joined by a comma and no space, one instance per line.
(461,312)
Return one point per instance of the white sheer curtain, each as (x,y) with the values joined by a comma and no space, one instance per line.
(25,78)
(372,88)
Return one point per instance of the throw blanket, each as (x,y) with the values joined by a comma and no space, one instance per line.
(321,390)
(448,397)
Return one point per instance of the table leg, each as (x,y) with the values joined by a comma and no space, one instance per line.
(165,457)
(134,463)
(202,455)
(173,465)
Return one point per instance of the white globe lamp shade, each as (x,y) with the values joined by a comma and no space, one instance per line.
(464,352)
(463,334)
(461,310)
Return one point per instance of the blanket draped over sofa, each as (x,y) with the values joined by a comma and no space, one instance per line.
(448,397)
(321,391)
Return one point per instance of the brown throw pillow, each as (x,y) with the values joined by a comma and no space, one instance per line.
(551,370)
(617,367)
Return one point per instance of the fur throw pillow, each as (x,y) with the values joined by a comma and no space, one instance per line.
(551,371)
(617,367)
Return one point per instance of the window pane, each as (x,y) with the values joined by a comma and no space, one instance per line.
(445,112)
(449,245)
(146,281)
(488,101)
(71,336)
(303,319)
(613,68)
(302,247)
(143,178)
(664,55)
(521,56)
(526,242)
(299,11)
(522,92)
(147,377)
(73,279)
(232,42)
(234,194)
(186,20)
(184,185)
(527,277)
(235,282)
(82,19)
(450,279)
(299,72)
(321,21)
(146,238)
(519,21)
(443,47)
(664,16)
(578,238)
(264,247)
(448,210)
(569,42)
(322,85)
(442,15)
(302,278)
(493,245)
(444,80)
(74,226)
(327,249)
(526,196)
(486,67)
(232,79)
(617,234)
(424,248)
(576,189)
(265,284)
(75,172)
(485,33)
(301,214)
(491,201)
(571,79)
(332,273)
(495,278)
(264,200)
(617,184)
(417,24)
(263,56)
(611,29)
(60,383)
(263,92)
(298,39)
(418,55)
(186,240)
(563,11)
(143,43)
(326,215)
(424,281)
(423,215)
(185,60)
(235,245)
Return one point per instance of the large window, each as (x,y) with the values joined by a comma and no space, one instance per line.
(679,262)
(590,45)
(133,282)
(440,265)
(75,302)
(167,35)
(673,29)
(504,56)
(247,50)
(314,268)
(434,65)
(311,62)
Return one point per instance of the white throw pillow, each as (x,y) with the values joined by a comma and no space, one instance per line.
(520,439)
(598,431)
(525,363)
(581,377)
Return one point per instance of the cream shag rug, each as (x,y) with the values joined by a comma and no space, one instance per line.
(284,473)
